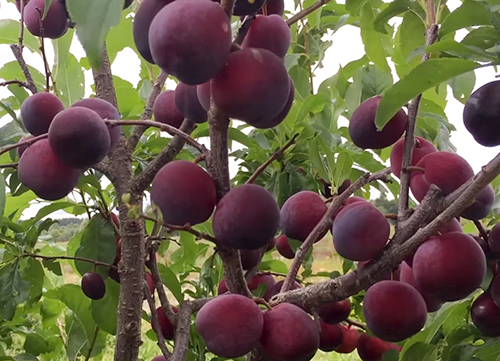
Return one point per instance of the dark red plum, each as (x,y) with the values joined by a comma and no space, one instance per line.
(421,148)
(330,337)
(38,111)
(55,23)
(334,312)
(93,285)
(187,103)
(165,110)
(268,32)
(486,316)
(482,205)
(372,348)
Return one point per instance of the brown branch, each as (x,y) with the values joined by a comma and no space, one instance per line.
(15,81)
(18,53)
(155,322)
(404,194)
(243,30)
(165,304)
(143,180)
(21,30)
(360,325)
(48,74)
(165,127)
(325,223)
(148,110)
(82,259)
(303,13)
(9,165)
(27,142)
(482,231)
(186,228)
(275,156)
(428,218)
(103,80)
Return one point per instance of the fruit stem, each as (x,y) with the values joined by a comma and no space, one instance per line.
(155,322)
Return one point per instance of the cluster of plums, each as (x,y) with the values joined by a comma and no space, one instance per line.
(52,166)
(250,84)
(54,24)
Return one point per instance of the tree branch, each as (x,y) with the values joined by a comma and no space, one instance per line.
(360,325)
(186,228)
(103,80)
(18,53)
(9,165)
(143,180)
(27,142)
(15,81)
(275,156)
(165,127)
(155,322)
(303,13)
(148,110)
(325,223)
(82,259)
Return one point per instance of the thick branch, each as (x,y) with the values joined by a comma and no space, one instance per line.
(325,223)
(103,80)
(275,156)
(155,322)
(18,53)
(148,110)
(143,180)
(428,218)
(164,127)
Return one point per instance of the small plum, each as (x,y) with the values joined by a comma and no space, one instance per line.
(482,205)
(495,289)
(38,111)
(167,329)
(350,340)
(284,248)
(268,32)
(22,148)
(433,304)
(250,258)
(55,23)
(188,104)
(277,288)
(421,148)
(334,312)
(165,110)
(486,315)
(372,348)
(93,285)
(331,336)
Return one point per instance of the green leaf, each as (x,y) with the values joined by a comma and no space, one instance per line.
(12,70)
(53,207)
(395,8)
(15,289)
(70,81)
(170,280)
(61,52)
(274,265)
(9,34)
(317,160)
(462,86)
(93,19)
(469,14)
(35,344)
(421,352)
(10,131)
(2,196)
(423,77)
(372,39)
(104,310)
(98,243)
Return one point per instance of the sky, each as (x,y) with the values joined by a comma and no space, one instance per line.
(347,46)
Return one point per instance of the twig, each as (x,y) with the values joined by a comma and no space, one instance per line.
(186,228)
(165,127)
(82,259)
(482,231)
(143,180)
(92,344)
(404,194)
(153,267)
(15,81)
(9,165)
(20,144)
(155,322)
(18,53)
(48,75)
(243,30)
(275,156)
(325,223)
(360,325)
(21,30)
(303,13)
(148,110)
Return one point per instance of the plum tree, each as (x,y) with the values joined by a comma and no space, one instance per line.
(394,310)
(165,110)
(44,173)
(69,133)
(142,22)
(331,336)
(231,325)
(486,315)
(363,131)
(253,86)
(481,114)
(53,25)
(93,285)
(188,104)
(247,217)
(300,214)
(450,266)
(268,32)
(372,348)
(105,110)
(334,312)
(289,334)
(184,192)
(190,39)
(360,231)
(38,111)
(421,148)
(445,169)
